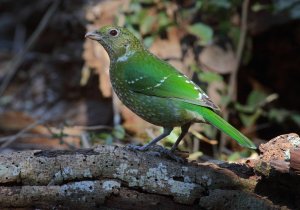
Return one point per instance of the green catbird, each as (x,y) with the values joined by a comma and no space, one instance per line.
(155,90)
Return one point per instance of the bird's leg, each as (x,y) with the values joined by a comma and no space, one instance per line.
(170,153)
(184,130)
(165,133)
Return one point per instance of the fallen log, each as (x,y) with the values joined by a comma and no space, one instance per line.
(112,177)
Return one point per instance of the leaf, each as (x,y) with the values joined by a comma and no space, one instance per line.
(202,31)
(195,156)
(101,135)
(209,77)
(257,7)
(171,139)
(119,132)
(218,59)
(238,155)
(135,7)
(225,100)
(244,108)
(234,157)
(278,115)
(148,41)
(249,120)
(135,32)
(256,97)
(296,118)
(146,24)
(163,20)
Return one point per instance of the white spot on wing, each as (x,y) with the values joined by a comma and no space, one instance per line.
(200,96)
(160,83)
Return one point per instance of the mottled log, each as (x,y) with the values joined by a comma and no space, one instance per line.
(114,177)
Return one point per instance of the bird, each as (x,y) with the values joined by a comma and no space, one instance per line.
(155,90)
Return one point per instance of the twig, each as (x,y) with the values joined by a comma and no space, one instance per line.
(232,90)
(85,139)
(93,127)
(35,135)
(61,137)
(18,59)
(203,138)
(232,87)
(11,139)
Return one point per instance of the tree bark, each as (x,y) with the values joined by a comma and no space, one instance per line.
(112,177)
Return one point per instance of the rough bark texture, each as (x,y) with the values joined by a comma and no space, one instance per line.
(112,177)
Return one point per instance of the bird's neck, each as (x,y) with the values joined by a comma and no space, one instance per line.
(124,57)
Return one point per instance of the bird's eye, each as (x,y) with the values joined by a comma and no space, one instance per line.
(113,32)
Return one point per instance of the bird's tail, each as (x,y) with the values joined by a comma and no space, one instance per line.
(224,126)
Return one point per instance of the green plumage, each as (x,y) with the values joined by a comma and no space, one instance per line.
(155,90)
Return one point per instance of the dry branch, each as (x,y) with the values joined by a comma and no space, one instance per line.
(114,177)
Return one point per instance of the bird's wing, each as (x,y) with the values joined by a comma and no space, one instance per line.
(152,76)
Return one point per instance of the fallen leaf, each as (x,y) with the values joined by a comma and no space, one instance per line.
(214,58)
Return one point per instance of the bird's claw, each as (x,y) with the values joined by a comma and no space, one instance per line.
(135,147)
(157,150)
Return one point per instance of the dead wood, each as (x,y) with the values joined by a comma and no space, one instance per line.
(113,177)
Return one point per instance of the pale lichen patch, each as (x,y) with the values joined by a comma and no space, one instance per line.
(294,140)
(87,173)
(287,154)
(157,175)
(158,179)
(120,171)
(16,170)
(4,171)
(110,185)
(84,186)
(67,172)
(181,188)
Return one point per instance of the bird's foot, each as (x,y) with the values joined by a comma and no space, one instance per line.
(133,147)
(157,150)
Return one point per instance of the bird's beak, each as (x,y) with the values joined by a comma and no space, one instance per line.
(93,35)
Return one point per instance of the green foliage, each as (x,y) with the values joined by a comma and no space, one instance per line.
(282,115)
(201,31)
(238,155)
(209,77)
(251,111)
(118,132)
(171,139)
(147,19)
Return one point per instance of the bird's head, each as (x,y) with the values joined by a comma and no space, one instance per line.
(117,41)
